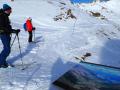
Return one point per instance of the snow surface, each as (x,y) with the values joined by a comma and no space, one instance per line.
(58,42)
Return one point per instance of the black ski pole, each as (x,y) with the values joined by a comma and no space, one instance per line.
(20,52)
(34,35)
(13,40)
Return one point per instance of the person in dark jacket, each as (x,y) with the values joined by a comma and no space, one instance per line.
(5,32)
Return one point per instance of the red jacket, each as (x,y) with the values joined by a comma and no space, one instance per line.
(29,25)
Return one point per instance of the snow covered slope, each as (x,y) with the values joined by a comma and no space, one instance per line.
(63,32)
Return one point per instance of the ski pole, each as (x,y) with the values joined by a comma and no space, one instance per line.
(13,40)
(34,33)
(20,51)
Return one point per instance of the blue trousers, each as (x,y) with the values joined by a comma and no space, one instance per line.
(5,38)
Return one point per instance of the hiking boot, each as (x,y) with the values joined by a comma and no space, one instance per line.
(4,65)
(30,41)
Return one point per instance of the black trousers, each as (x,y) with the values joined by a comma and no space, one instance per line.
(30,36)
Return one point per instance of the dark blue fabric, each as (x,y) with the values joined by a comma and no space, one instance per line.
(6,7)
(24,26)
(5,38)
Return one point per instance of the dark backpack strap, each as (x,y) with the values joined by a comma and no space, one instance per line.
(1,11)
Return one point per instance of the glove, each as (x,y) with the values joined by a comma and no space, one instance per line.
(33,28)
(16,31)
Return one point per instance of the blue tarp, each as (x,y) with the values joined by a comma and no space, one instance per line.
(89,75)
(105,74)
(81,1)
(85,1)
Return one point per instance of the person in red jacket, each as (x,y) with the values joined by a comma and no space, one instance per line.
(29,28)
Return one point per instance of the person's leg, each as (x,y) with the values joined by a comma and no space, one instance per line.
(30,37)
(6,48)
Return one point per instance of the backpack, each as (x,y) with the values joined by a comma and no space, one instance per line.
(24,26)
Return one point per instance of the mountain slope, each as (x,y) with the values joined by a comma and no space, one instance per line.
(60,41)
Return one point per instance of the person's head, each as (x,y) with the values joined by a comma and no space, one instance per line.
(30,18)
(7,9)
